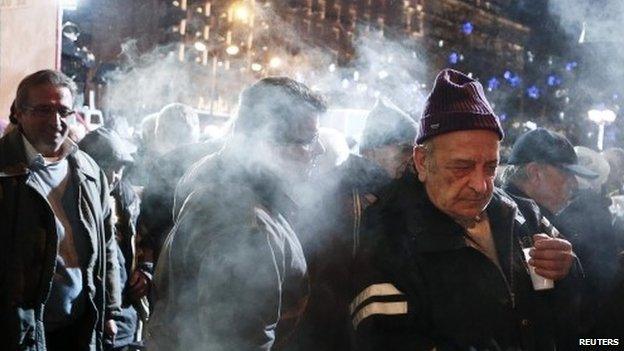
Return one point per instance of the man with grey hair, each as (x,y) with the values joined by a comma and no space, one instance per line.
(59,280)
(232,274)
(441,262)
(544,167)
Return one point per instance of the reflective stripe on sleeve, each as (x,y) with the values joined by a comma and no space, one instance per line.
(384,289)
(386,308)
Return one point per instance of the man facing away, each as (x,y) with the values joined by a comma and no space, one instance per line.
(441,264)
(232,274)
(59,280)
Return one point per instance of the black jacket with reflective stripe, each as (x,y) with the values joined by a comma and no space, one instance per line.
(419,286)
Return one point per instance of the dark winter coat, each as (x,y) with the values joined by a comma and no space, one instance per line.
(156,220)
(420,286)
(29,249)
(232,275)
(127,208)
(330,230)
(588,224)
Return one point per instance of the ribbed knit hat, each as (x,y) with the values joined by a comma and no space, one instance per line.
(386,124)
(457,102)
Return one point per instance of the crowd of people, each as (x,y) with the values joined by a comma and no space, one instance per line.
(280,236)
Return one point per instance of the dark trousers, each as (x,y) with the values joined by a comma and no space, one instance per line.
(66,339)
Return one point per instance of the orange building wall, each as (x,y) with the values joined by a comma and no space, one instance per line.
(29,41)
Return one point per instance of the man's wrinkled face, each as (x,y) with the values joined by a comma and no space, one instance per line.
(458,171)
(44,119)
(556,187)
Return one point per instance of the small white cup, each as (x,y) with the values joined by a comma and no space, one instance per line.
(539,282)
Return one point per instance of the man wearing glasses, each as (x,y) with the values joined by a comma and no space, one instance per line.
(59,278)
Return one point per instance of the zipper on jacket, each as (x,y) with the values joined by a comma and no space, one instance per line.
(508,283)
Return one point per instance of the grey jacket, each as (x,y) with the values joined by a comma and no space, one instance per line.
(232,275)
(30,245)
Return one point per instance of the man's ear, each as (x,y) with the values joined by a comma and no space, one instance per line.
(420,161)
(533,172)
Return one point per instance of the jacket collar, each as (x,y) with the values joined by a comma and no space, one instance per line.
(514,190)
(432,230)
(35,158)
(15,160)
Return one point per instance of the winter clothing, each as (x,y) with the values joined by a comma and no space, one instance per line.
(457,102)
(329,233)
(127,208)
(542,145)
(420,285)
(106,147)
(29,249)
(156,218)
(232,275)
(386,124)
(587,224)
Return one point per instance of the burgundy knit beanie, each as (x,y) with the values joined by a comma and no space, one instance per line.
(457,102)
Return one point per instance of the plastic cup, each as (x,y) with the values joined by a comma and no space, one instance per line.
(539,282)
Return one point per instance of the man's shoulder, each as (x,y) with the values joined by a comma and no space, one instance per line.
(11,150)
(86,164)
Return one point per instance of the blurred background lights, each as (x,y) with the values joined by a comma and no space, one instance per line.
(552,80)
(493,84)
(200,46)
(571,65)
(533,92)
(241,12)
(232,50)
(467,28)
(275,62)
(453,58)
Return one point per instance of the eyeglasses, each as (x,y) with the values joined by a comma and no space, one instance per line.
(47,111)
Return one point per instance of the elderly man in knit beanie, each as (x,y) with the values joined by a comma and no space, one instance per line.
(443,266)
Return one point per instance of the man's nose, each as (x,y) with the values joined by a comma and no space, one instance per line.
(479,182)
(57,120)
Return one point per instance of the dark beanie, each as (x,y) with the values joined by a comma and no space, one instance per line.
(386,124)
(106,147)
(457,102)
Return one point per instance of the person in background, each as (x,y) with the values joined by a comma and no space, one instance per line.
(440,264)
(615,181)
(176,143)
(111,153)
(232,274)
(59,280)
(336,151)
(330,226)
(388,138)
(547,169)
